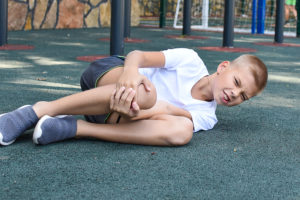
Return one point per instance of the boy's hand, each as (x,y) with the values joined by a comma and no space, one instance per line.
(130,79)
(121,101)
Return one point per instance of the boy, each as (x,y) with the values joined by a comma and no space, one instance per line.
(157,98)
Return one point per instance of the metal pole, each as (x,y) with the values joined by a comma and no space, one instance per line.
(117,28)
(261,13)
(162,13)
(279,21)
(127,18)
(3,22)
(228,23)
(187,6)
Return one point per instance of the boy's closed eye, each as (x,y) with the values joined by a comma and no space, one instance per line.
(238,83)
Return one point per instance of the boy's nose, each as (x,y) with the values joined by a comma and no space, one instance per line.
(235,92)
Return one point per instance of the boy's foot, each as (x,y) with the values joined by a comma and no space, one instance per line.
(14,123)
(54,129)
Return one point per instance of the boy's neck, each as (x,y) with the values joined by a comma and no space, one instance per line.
(202,90)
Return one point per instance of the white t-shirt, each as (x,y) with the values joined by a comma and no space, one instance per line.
(183,68)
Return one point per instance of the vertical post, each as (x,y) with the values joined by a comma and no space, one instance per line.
(205,9)
(298,16)
(3,22)
(279,21)
(253,26)
(162,13)
(228,23)
(127,18)
(117,28)
(261,13)
(187,6)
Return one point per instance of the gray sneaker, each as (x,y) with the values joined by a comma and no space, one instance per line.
(14,123)
(54,129)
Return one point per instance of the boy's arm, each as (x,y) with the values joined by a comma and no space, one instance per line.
(162,107)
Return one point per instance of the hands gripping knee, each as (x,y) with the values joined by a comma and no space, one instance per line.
(128,102)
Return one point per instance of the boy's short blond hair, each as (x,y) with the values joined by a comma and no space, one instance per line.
(257,68)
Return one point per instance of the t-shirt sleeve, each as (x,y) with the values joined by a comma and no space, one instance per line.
(203,120)
(178,57)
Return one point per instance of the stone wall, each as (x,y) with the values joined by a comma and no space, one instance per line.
(57,14)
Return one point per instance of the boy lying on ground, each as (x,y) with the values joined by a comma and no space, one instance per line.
(151,98)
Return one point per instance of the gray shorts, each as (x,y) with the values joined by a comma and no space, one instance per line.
(92,75)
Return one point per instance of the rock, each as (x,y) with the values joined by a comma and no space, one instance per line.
(105,14)
(51,18)
(70,14)
(39,14)
(92,20)
(17,13)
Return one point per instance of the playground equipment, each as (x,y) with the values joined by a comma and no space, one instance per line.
(120,19)
(251,16)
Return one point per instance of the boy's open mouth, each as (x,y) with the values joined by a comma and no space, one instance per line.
(225,98)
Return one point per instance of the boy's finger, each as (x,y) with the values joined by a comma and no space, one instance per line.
(125,95)
(129,100)
(119,93)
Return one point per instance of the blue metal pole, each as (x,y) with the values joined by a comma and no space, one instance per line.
(117,28)
(261,13)
(3,22)
(253,27)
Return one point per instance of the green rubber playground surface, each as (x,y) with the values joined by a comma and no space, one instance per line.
(252,153)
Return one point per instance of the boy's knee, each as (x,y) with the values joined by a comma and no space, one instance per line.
(181,131)
(146,99)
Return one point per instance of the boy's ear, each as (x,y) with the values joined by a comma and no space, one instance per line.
(222,66)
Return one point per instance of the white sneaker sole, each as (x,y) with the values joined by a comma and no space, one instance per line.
(38,130)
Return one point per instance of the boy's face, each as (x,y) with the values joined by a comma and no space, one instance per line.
(233,85)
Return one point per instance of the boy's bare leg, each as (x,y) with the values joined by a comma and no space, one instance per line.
(162,130)
(90,102)
(94,101)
